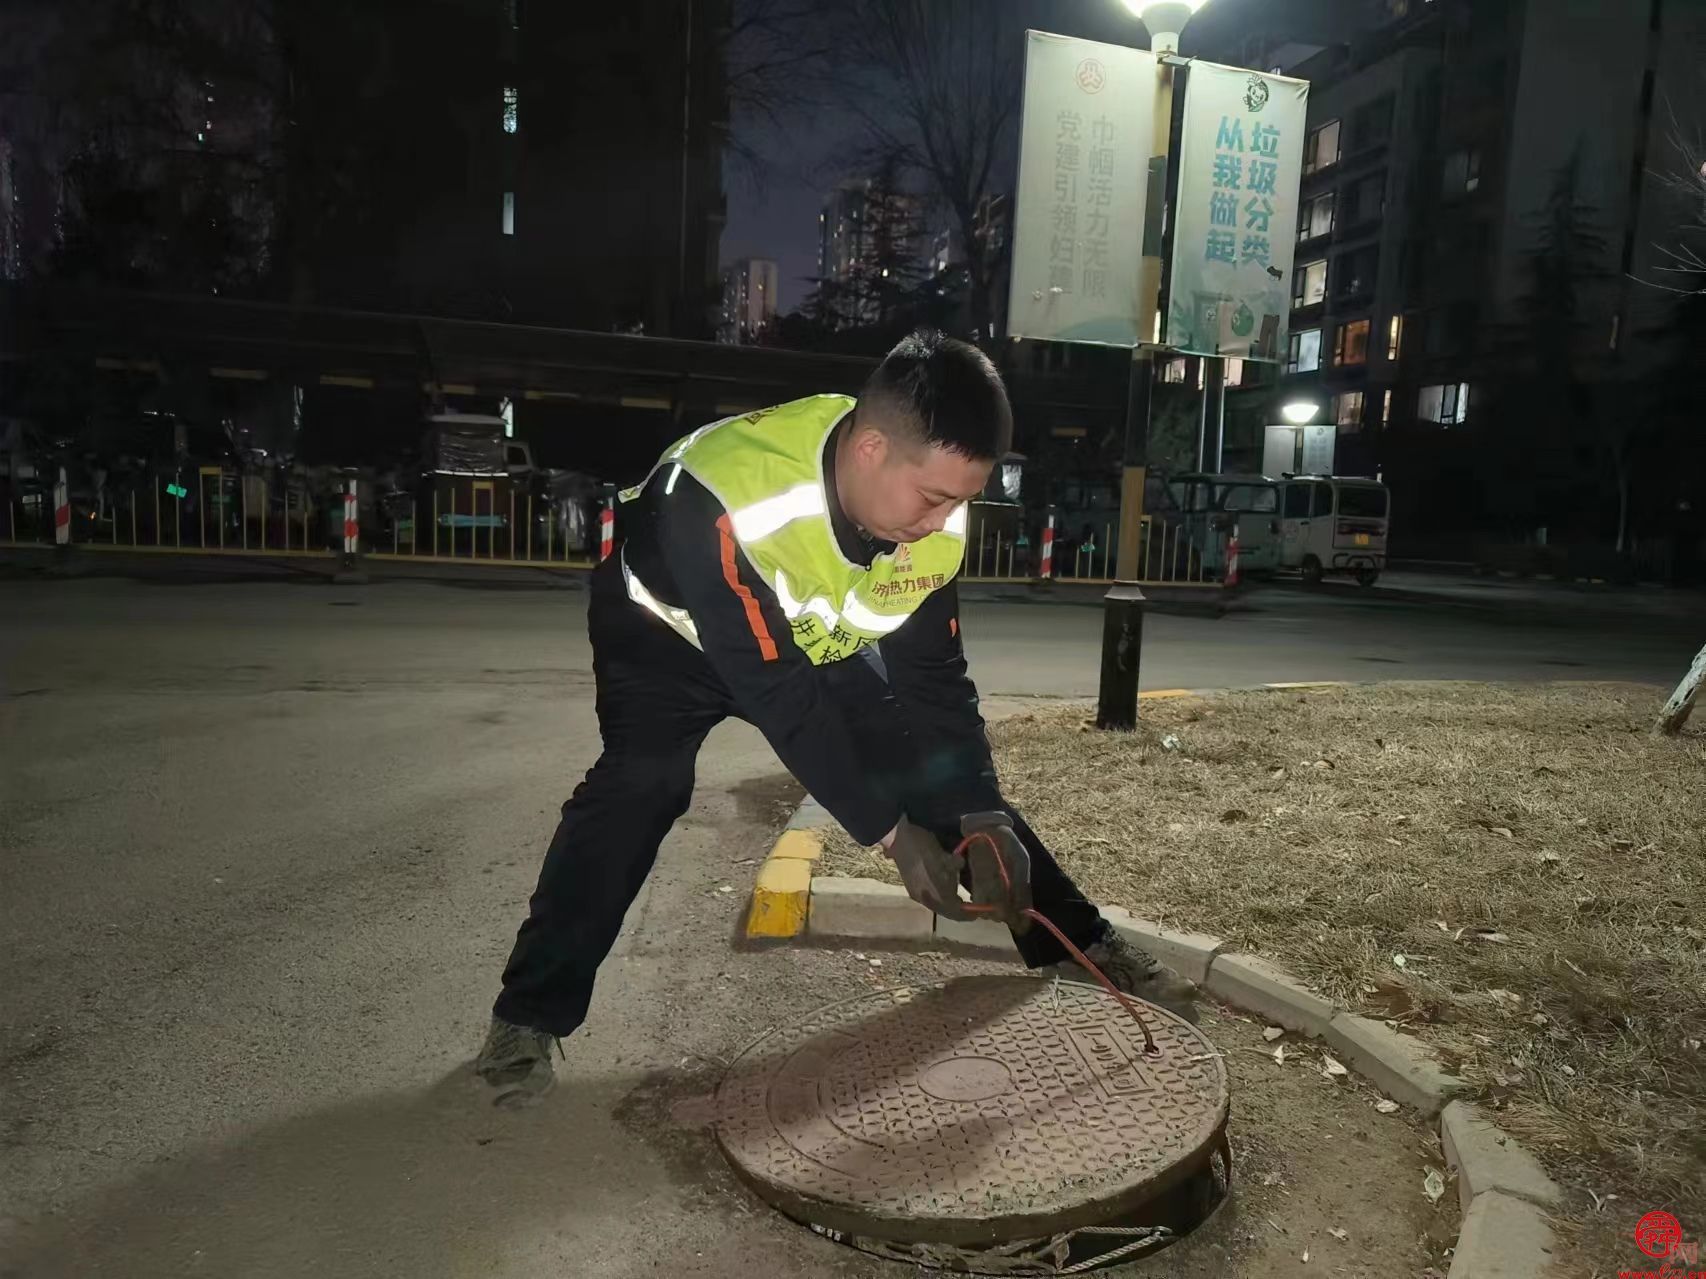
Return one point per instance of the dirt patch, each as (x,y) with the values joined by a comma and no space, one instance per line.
(1314,1161)
(1514,874)
(768,800)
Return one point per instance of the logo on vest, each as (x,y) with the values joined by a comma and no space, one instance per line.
(903,558)
(909,586)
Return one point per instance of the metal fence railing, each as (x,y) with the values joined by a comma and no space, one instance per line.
(492,523)
(221,511)
(1169,553)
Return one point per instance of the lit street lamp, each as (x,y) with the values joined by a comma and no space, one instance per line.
(1165,20)
(1298,412)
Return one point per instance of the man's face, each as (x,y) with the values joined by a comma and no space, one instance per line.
(902,494)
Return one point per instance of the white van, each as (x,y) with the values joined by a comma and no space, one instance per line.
(1333,525)
(1212,506)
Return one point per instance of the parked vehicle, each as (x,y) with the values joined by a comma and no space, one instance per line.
(1333,525)
(467,475)
(1211,506)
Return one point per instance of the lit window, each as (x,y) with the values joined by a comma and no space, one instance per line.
(1350,344)
(1386,408)
(512,107)
(1317,216)
(1305,352)
(509,212)
(1309,283)
(1234,372)
(1347,410)
(1174,370)
(1395,337)
(1321,148)
(1447,404)
(1462,172)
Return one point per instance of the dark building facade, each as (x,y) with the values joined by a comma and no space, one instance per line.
(561,171)
(1442,134)
(508,160)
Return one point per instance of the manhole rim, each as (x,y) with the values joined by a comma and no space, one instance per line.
(829,1216)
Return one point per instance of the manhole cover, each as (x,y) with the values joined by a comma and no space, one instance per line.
(972,1112)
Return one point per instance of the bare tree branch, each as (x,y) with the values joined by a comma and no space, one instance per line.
(936,84)
(1685,177)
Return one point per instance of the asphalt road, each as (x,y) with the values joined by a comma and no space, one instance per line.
(262,851)
(1413,627)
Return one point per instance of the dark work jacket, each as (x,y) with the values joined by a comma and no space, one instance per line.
(890,731)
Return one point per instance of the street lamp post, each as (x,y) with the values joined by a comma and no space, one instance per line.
(1122,629)
(1298,414)
(1164,20)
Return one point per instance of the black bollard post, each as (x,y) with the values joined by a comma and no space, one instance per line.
(1122,652)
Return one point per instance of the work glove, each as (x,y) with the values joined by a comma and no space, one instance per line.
(930,872)
(999,869)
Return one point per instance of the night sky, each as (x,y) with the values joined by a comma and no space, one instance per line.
(774,214)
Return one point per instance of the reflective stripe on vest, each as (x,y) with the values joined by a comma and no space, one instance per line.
(677,619)
(772,514)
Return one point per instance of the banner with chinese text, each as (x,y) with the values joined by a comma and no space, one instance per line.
(1235,220)
(1083,182)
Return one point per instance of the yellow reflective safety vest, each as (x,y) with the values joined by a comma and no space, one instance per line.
(766,471)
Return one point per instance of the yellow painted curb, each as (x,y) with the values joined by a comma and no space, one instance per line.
(798,845)
(780,897)
(1161,694)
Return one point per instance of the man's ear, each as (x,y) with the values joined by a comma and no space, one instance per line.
(870,445)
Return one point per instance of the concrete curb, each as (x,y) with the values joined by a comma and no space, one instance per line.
(1504,1195)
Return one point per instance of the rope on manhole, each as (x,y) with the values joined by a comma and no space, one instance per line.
(1022,1257)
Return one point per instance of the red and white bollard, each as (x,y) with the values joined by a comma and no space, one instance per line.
(1048,548)
(61,511)
(349,570)
(607,529)
(352,523)
(1232,558)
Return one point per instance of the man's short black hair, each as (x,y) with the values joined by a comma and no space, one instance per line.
(943,393)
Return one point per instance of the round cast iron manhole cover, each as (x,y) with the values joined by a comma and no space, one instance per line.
(975,1111)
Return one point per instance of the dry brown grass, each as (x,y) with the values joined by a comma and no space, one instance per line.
(1339,829)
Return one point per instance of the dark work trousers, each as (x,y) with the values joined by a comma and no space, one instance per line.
(657,699)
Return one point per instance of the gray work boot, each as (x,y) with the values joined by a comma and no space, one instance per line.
(1136,972)
(516,1062)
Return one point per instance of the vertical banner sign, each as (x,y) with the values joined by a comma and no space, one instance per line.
(1083,183)
(1235,220)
